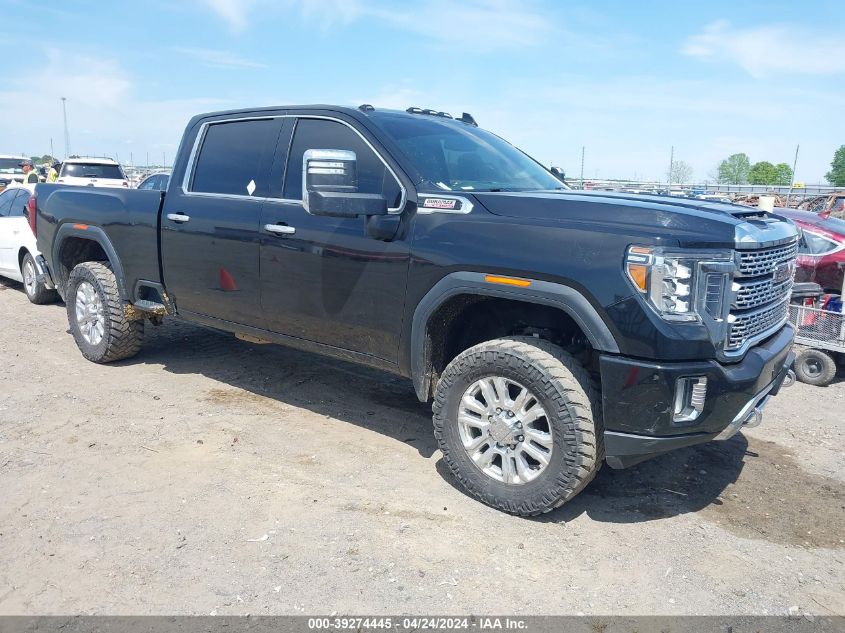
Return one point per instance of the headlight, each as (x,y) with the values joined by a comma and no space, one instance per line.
(681,285)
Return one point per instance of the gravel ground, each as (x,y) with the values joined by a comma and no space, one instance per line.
(210,475)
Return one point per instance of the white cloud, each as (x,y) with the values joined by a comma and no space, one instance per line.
(766,50)
(483,25)
(104,108)
(233,12)
(237,14)
(217,58)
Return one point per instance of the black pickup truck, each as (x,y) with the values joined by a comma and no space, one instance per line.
(553,329)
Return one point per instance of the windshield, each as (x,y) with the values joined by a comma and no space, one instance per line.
(458,157)
(10,166)
(835,225)
(92,170)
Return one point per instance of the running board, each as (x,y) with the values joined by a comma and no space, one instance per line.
(143,309)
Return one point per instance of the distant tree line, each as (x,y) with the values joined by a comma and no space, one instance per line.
(737,169)
(46,158)
(836,175)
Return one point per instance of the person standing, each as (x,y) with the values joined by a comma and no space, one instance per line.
(53,174)
(30,176)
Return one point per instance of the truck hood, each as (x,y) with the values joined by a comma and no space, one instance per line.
(685,221)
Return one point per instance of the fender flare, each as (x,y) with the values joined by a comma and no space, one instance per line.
(556,295)
(93,234)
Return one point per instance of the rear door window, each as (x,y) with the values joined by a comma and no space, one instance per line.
(234,158)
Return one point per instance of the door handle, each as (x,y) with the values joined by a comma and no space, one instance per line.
(179,218)
(280,229)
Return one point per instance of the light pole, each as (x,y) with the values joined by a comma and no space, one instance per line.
(67,135)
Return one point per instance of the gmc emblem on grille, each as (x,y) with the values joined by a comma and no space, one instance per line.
(784,271)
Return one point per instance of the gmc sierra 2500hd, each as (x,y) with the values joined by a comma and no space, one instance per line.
(553,329)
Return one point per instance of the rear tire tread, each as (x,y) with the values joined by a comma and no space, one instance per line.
(123,337)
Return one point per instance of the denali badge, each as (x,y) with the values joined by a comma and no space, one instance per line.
(784,271)
(440,203)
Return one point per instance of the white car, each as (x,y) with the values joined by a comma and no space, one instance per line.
(19,256)
(10,169)
(93,172)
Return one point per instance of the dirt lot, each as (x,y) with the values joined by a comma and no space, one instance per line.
(210,475)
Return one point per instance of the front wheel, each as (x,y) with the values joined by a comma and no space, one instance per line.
(519,424)
(35,290)
(96,315)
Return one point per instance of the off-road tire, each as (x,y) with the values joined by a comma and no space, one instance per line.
(40,294)
(564,388)
(815,367)
(121,337)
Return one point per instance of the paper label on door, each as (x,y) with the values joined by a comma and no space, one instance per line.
(250,188)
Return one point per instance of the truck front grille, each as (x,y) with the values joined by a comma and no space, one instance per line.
(761,302)
(753,294)
(752,324)
(764,262)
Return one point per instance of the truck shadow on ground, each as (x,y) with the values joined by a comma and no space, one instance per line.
(273,374)
(677,483)
(752,487)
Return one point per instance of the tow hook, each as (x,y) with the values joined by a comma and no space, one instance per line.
(790,379)
(754,419)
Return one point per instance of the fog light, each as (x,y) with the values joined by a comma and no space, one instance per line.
(690,394)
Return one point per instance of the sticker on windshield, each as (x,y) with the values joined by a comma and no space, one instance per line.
(440,203)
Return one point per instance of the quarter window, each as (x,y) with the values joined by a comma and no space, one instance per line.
(373,175)
(235,157)
(6,199)
(19,204)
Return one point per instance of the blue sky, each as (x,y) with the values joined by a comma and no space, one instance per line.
(625,79)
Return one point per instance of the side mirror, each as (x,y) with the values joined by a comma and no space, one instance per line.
(330,185)
(558,172)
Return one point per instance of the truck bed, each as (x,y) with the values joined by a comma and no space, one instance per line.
(129,218)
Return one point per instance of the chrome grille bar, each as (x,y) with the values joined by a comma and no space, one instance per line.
(764,262)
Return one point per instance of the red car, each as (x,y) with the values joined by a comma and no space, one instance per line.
(821,255)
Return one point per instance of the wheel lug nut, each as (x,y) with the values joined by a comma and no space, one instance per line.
(521,438)
(510,414)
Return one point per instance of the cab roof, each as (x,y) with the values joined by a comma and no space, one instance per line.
(94,160)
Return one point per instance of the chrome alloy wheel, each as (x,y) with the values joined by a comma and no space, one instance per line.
(89,313)
(505,430)
(29,278)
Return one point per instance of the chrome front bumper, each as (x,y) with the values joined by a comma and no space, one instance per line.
(751,414)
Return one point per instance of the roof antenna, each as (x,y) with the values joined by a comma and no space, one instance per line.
(466,117)
(366,107)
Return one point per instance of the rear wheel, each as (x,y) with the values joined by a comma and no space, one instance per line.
(815,367)
(96,315)
(35,291)
(519,424)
